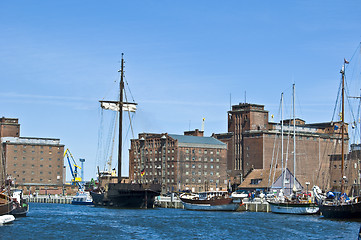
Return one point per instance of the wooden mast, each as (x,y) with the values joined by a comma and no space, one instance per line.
(120,119)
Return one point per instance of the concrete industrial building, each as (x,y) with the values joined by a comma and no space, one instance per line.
(179,162)
(35,164)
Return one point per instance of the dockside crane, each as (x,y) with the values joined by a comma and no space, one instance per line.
(75,180)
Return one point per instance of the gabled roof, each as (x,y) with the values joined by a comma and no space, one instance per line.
(262,174)
(193,141)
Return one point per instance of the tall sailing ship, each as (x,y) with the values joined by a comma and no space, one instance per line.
(342,207)
(122,194)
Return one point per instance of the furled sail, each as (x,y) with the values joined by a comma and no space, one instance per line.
(130,107)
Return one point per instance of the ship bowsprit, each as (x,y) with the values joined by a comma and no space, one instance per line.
(127,195)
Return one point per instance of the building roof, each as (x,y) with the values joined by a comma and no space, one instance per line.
(193,141)
(31,140)
(263,175)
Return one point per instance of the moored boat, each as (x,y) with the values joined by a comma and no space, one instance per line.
(6,204)
(342,207)
(296,202)
(302,208)
(82,198)
(122,194)
(20,206)
(210,201)
(5,219)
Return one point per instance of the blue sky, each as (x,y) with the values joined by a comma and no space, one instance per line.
(183,61)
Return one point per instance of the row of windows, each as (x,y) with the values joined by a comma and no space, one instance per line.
(205,151)
(41,147)
(200,180)
(41,180)
(155,151)
(189,180)
(204,159)
(151,160)
(32,165)
(155,166)
(41,152)
(41,159)
(205,173)
(151,173)
(200,166)
(32,172)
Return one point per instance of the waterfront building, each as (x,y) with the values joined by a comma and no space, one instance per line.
(179,162)
(35,164)
(256,142)
(352,171)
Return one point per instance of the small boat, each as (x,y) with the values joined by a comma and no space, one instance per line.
(20,205)
(4,219)
(293,207)
(210,201)
(82,198)
(6,204)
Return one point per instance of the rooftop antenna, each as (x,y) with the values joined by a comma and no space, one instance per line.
(230,101)
(245,96)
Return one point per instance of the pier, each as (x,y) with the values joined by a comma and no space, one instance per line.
(51,199)
(257,205)
(168,202)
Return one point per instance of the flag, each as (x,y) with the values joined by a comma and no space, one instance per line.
(142,172)
(346,62)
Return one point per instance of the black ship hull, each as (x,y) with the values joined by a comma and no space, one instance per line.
(127,195)
(342,211)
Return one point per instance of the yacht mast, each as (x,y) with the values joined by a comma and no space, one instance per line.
(294,139)
(343,127)
(283,171)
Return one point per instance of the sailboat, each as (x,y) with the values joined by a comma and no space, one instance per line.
(342,207)
(292,205)
(6,204)
(122,194)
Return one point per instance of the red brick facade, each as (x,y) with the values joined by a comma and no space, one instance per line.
(35,164)
(178,165)
(257,144)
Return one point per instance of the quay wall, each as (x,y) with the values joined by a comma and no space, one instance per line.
(46,199)
(257,205)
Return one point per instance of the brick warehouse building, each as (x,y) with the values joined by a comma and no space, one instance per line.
(179,162)
(36,164)
(256,142)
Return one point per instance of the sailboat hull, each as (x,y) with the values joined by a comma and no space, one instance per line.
(127,195)
(294,208)
(6,205)
(352,210)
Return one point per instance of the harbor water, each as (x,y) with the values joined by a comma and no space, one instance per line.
(65,221)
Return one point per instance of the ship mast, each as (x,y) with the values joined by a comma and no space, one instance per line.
(343,127)
(120,119)
(294,140)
